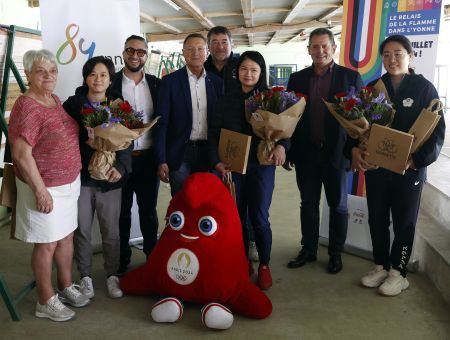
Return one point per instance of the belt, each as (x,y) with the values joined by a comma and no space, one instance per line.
(196,142)
(140,152)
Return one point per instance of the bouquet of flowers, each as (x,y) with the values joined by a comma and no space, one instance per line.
(273,115)
(111,127)
(357,111)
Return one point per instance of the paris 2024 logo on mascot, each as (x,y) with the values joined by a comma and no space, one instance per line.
(200,258)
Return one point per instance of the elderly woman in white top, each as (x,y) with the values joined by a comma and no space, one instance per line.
(46,157)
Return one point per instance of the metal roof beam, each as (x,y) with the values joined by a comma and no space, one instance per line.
(247,12)
(242,30)
(192,9)
(296,8)
(167,27)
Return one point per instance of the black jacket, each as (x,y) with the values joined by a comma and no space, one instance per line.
(421,91)
(73,106)
(229,114)
(228,73)
(335,136)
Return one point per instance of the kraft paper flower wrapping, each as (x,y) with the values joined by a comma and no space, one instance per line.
(357,111)
(111,128)
(273,115)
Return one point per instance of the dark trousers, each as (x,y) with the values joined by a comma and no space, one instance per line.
(144,182)
(254,195)
(400,195)
(195,159)
(311,173)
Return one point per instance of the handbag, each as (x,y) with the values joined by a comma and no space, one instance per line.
(228,181)
(8,193)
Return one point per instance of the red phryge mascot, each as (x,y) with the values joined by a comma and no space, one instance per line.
(200,258)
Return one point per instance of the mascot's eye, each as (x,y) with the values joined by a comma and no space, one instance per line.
(207,225)
(176,220)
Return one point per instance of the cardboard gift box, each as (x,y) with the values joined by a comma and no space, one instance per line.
(389,148)
(234,148)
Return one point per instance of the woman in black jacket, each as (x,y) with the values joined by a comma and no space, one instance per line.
(391,193)
(102,196)
(254,189)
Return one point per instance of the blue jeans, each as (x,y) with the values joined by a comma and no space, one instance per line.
(195,159)
(254,196)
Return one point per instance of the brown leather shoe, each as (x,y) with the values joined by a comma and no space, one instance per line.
(264,277)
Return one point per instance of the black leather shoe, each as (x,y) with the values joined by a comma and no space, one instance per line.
(301,259)
(335,264)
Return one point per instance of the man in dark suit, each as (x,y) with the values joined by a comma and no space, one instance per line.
(141,91)
(186,100)
(317,150)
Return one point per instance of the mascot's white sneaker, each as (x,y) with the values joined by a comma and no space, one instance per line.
(217,316)
(167,310)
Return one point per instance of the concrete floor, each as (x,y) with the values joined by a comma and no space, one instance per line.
(308,302)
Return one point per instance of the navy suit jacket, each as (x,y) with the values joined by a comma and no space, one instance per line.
(335,136)
(175,108)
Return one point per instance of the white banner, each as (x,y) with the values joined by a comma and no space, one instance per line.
(75,31)
(358,234)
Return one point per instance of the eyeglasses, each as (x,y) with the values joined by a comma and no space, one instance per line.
(131,51)
(192,50)
(396,55)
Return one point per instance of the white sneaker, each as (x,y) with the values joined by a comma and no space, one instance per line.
(253,252)
(114,291)
(86,287)
(394,284)
(375,277)
(73,297)
(54,310)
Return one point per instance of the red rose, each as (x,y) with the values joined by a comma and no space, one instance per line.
(301,95)
(87,111)
(340,95)
(277,88)
(368,89)
(125,106)
(268,94)
(350,104)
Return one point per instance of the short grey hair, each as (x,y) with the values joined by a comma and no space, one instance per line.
(322,31)
(32,56)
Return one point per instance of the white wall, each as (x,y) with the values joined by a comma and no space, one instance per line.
(289,53)
(17,12)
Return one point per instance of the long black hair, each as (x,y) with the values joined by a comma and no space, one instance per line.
(257,57)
